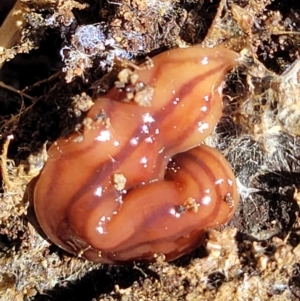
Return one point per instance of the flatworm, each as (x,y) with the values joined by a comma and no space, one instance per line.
(137,181)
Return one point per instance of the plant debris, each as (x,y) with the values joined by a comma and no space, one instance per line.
(59,54)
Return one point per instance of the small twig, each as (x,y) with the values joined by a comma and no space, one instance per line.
(135,267)
(3,162)
(12,89)
(22,92)
(279,32)
(15,118)
(50,78)
(113,2)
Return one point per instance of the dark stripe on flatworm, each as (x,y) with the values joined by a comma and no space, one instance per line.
(196,177)
(121,156)
(199,164)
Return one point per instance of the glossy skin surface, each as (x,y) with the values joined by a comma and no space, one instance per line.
(118,191)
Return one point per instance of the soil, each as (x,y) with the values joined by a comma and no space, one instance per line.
(65,53)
